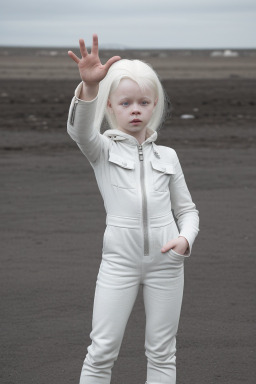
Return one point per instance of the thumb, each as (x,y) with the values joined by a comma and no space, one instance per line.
(111,61)
(170,244)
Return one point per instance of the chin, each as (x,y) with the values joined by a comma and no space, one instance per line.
(135,129)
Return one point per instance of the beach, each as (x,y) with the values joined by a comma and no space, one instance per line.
(53,218)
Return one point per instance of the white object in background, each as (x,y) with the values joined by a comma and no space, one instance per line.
(187,116)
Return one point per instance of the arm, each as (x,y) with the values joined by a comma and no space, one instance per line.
(185,211)
(80,126)
(83,105)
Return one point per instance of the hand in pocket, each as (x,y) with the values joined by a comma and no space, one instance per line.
(179,245)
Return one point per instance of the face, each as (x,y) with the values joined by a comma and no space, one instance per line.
(132,107)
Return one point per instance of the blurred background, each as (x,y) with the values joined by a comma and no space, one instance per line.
(52,214)
(133,24)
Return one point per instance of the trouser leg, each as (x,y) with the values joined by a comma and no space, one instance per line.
(162,299)
(111,311)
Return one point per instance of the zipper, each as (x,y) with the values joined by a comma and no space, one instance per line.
(144,202)
(72,117)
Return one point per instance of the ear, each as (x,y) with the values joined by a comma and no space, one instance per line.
(155,103)
(109,106)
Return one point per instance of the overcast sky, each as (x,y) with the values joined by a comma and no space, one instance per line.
(132,23)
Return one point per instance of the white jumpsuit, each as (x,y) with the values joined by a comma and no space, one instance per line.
(140,186)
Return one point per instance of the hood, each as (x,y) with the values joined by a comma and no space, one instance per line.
(117,135)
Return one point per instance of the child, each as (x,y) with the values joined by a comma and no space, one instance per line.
(140,183)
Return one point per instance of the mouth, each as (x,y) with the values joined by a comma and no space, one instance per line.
(135,121)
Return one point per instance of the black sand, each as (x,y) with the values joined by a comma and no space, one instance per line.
(52,222)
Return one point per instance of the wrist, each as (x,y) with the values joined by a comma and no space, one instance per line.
(184,240)
(89,84)
(89,91)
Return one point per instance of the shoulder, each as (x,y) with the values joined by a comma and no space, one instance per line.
(168,154)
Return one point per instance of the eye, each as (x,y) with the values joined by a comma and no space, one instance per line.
(144,102)
(125,103)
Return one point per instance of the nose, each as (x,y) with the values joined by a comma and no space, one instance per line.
(136,110)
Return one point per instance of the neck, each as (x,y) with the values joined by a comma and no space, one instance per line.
(139,136)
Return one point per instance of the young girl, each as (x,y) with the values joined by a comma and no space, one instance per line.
(140,183)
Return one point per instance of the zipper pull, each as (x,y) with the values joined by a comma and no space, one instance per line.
(140,153)
(72,117)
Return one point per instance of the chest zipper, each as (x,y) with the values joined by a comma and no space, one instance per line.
(144,202)
(72,117)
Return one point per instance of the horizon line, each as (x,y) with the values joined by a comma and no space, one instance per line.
(122,48)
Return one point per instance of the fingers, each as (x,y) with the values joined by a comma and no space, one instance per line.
(73,56)
(111,61)
(83,49)
(94,51)
(95,45)
(179,245)
(170,244)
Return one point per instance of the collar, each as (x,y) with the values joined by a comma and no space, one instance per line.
(117,135)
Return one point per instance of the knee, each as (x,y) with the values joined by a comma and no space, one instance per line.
(103,353)
(161,359)
(161,354)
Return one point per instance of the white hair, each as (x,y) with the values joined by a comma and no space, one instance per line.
(144,76)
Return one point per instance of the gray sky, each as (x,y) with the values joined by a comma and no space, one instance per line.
(133,23)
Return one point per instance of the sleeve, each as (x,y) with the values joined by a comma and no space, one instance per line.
(80,126)
(184,209)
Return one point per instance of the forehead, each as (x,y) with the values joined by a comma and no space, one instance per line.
(130,88)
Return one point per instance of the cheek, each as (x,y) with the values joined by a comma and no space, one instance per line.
(115,112)
(122,112)
(120,116)
(150,112)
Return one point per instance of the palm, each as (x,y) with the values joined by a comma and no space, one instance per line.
(91,70)
(90,67)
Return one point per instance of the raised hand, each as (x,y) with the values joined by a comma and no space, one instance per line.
(90,67)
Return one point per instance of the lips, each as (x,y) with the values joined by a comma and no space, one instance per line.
(136,121)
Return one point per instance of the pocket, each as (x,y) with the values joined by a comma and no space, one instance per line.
(161,175)
(176,255)
(122,171)
(106,240)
